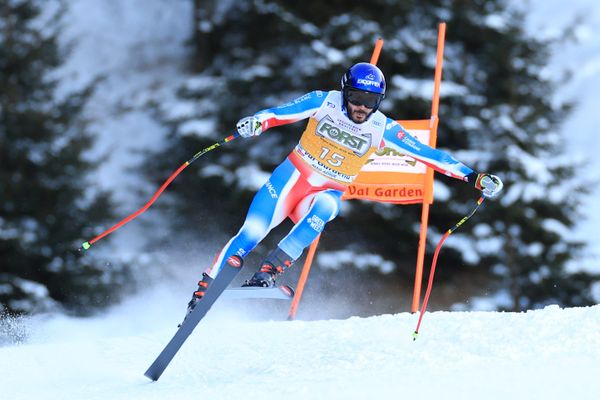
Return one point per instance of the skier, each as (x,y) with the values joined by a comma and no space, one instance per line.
(344,128)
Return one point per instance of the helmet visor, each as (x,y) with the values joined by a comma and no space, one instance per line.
(361,98)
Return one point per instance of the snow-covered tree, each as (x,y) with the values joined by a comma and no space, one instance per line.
(45,210)
(508,123)
(496,116)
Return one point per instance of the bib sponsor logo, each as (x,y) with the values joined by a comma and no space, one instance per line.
(344,124)
(359,144)
(321,167)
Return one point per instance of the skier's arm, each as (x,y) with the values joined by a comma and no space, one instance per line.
(400,140)
(296,110)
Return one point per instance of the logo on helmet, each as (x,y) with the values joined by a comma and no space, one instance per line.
(367,82)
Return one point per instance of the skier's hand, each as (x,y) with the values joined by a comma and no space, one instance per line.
(489,184)
(249,126)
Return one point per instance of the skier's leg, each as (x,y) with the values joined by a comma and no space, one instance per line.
(264,213)
(270,206)
(324,207)
(315,210)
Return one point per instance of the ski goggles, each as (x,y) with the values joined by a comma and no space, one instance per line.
(361,98)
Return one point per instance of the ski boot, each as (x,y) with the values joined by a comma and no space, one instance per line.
(272,266)
(198,294)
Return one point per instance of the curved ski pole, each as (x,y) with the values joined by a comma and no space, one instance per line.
(434,262)
(88,244)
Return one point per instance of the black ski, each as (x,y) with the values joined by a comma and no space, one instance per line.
(283,292)
(222,280)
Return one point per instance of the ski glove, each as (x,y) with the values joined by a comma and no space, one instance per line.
(489,184)
(249,126)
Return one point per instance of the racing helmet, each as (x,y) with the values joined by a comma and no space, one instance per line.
(363,84)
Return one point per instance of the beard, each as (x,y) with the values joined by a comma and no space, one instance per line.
(359,115)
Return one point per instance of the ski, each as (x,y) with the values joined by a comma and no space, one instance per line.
(283,292)
(216,288)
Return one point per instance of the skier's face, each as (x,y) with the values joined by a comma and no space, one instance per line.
(358,113)
(361,103)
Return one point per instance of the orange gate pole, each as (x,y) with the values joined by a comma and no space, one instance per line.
(428,198)
(303,277)
(376,51)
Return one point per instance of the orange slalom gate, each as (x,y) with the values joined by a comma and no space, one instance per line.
(395,178)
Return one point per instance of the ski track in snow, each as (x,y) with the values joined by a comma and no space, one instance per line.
(544,354)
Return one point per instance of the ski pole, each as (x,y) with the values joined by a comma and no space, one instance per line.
(88,244)
(434,262)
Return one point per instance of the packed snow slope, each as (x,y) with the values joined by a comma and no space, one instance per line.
(545,354)
(236,353)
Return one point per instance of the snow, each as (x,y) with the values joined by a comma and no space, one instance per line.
(422,88)
(237,352)
(137,66)
(197,127)
(546,354)
(142,66)
(251,177)
(580,55)
(362,261)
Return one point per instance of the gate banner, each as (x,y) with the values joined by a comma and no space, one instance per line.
(393,177)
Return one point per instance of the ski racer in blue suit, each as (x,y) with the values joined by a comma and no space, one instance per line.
(344,128)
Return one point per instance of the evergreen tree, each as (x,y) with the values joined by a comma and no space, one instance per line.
(496,116)
(44,205)
(523,239)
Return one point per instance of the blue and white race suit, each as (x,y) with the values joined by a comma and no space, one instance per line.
(308,185)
